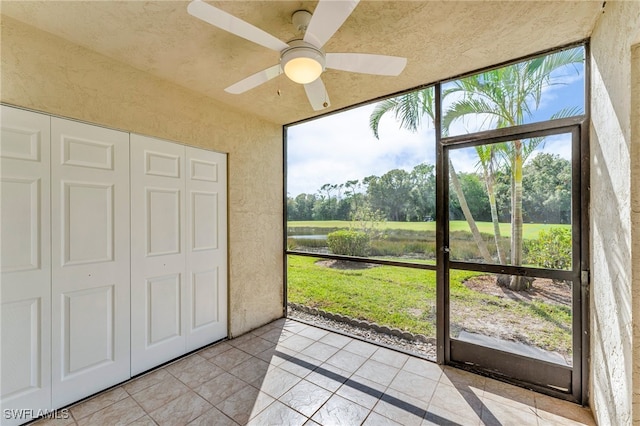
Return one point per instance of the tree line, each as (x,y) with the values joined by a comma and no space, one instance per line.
(409,196)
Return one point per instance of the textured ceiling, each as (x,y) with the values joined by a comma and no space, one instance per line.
(439,38)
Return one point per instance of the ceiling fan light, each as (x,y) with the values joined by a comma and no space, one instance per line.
(302,65)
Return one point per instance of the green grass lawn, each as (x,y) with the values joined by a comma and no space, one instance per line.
(406,298)
(530,230)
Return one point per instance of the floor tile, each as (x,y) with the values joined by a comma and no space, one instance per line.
(337,340)
(375,419)
(462,379)
(220,388)
(320,351)
(376,371)
(274,356)
(340,411)
(315,377)
(214,350)
(122,412)
(347,361)
(497,414)
(143,382)
(314,333)
(401,408)
(213,417)
(328,377)
(305,397)
(197,374)
(413,385)
(554,411)
(58,420)
(423,368)
(389,357)
(295,326)
(296,343)
(256,345)
(143,421)
(448,400)
(361,391)
(184,364)
(98,403)
(245,404)
(277,381)
(361,348)
(181,410)
(278,414)
(229,359)
(507,394)
(160,394)
(250,370)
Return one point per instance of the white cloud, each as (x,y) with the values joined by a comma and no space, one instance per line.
(342,147)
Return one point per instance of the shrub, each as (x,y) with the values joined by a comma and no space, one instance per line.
(348,243)
(552,249)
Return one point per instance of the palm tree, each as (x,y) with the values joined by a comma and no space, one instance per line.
(503,97)
(409,109)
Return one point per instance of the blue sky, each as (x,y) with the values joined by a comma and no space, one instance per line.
(341,147)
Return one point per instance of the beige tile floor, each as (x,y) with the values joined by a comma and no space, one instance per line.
(290,373)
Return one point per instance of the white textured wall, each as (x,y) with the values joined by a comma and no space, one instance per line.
(45,73)
(635,221)
(612,314)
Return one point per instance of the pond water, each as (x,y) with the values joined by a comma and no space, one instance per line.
(309,237)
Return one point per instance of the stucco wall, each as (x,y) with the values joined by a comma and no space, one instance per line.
(635,222)
(612,237)
(45,73)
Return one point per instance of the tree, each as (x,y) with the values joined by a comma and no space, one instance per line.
(547,189)
(508,96)
(410,109)
(503,97)
(390,194)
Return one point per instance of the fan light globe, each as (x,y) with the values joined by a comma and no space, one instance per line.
(302,64)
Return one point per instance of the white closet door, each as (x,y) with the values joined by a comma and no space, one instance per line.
(158,291)
(25,261)
(206,265)
(90,259)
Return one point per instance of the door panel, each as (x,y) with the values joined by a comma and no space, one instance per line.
(512,258)
(206,261)
(158,294)
(25,262)
(91,282)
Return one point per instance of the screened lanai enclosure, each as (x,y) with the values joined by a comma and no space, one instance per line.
(454,214)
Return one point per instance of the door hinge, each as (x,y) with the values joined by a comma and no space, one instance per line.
(584,279)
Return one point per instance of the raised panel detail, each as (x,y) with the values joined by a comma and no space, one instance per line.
(21,357)
(88,323)
(163,221)
(20,144)
(205,220)
(88,223)
(19,224)
(157,164)
(85,153)
(204,170)
(205,298)
(163,308)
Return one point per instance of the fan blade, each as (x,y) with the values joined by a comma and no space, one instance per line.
(366,63)
(327,18)
(254,80)
(317,94)
(225,21)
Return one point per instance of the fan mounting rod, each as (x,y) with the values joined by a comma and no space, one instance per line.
(300,20)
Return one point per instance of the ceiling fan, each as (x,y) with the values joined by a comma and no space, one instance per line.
(302,59)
